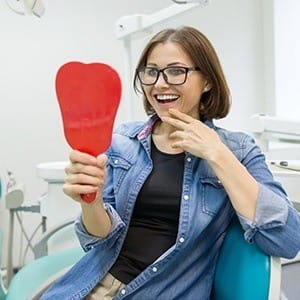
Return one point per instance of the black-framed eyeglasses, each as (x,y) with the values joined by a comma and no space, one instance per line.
(171,75)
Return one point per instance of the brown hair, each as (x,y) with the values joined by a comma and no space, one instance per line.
(215,103)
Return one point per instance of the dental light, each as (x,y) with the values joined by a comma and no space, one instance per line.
(26,7)
(130,27)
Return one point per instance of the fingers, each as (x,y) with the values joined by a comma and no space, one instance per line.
(178,119)
(101,160)
(174,122)
(181,116)
(84,158)
(85,179)
(85,168)
(76,190)
(84,163)
(189,132)
(85,174)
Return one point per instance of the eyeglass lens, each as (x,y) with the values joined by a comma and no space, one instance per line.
(172,75)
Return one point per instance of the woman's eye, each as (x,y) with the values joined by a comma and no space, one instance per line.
(151,72)
(176,71)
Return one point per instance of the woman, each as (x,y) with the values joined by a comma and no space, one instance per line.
(168,188)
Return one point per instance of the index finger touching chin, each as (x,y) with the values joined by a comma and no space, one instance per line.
(177,123)
(180,115)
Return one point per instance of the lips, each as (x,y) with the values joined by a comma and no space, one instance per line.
(166,98)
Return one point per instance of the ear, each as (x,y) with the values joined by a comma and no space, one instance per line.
(207,87)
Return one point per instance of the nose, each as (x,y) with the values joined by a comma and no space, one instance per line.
(162,79)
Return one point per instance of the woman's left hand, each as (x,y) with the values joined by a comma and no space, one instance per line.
(193,136)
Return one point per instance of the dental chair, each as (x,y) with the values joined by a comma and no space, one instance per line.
(243,272)
(41,272)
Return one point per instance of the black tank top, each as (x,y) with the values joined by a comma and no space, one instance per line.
(154,223)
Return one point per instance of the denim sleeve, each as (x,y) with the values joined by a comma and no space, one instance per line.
(276,228)
(271,212)
(89,241)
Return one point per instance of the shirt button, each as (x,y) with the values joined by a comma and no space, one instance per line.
(181,240)
(123,292)
(189,159)
(186,197)
(116,161)
(154,269)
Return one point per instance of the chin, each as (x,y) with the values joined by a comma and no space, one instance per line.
(162,114)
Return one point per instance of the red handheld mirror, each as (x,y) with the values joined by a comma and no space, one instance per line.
(89,97)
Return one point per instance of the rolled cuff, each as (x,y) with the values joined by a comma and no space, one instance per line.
(271,212)
(89,241)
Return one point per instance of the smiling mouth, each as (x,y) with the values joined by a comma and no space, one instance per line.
(166,98)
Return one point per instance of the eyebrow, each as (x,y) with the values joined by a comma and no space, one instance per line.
(178,64)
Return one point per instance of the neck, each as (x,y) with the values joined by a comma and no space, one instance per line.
(161,138)
(163,129)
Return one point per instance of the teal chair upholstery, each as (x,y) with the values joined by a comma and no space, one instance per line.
(38,274)
(41,272)
(243,271)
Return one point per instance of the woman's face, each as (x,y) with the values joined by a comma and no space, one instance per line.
(161,95)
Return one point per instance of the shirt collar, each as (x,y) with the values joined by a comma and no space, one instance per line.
(145,130)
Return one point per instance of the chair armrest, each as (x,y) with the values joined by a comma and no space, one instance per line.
(275,278)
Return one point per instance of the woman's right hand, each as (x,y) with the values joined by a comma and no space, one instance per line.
(85,174)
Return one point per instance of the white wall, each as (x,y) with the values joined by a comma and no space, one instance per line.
(33,49)
(287,62)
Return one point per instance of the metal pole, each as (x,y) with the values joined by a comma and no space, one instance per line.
(10,247)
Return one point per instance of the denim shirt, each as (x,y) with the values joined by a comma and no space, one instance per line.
(186,270)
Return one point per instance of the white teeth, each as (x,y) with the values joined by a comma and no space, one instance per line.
(166,97)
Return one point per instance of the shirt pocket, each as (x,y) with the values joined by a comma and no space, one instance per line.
(213,195)
(119,168)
